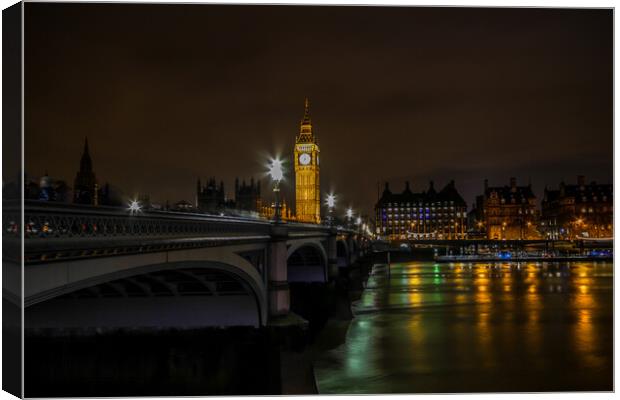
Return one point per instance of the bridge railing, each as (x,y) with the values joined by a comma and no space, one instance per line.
(44,219)
(61,230)
(56,220)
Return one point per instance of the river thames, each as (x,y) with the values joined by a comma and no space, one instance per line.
(424,327)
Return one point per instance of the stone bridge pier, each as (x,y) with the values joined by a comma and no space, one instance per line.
(278,287)
(278,262)
(332,253)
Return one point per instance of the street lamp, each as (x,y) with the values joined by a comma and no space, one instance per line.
(276,174)
(349,216)
(331,203)
(134,207)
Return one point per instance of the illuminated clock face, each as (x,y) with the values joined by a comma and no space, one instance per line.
(304,159)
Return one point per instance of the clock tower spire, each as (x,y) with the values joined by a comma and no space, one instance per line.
(305,133)
(307,185)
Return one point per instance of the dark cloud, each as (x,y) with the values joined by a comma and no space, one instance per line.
(170,93)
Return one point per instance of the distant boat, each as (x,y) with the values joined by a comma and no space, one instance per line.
(602,240)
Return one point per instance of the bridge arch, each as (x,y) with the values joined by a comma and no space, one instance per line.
(215,291)
(307,261)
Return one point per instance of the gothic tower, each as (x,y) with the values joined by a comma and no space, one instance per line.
(85,188)
(307,192)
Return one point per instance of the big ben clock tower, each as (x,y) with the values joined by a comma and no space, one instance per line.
(307,192)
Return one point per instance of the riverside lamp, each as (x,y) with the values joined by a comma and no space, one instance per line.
(276,174)
(349,216)
(134,207)
(331,203)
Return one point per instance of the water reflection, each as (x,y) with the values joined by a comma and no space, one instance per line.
(477,327)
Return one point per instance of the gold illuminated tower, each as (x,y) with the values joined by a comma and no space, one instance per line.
(307,192)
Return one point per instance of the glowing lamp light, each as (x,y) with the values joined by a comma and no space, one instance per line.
(275,170)
(134,206)
(358,221)
(349,213)
(331,200)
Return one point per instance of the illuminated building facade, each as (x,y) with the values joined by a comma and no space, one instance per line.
(183,205)
(581,210)
(425,215)
(307,191)
(509,212)
(85,187)
(268,211)
(475,220)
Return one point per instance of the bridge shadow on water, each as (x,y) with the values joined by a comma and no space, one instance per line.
(233,361)
(191,362)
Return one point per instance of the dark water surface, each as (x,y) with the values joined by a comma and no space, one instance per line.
(479,327)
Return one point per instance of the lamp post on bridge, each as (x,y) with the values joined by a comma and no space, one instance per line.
(331,202)
(134,207)
(349,216)
(332,248)
(276,174)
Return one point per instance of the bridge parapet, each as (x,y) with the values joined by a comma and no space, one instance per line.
(58,220)
(61,220)
(59,231)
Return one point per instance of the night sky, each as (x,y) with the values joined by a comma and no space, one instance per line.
(170,93)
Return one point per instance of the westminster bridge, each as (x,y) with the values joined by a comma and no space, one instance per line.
(87,266)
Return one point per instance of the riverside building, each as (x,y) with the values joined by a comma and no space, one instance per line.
(424,215)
